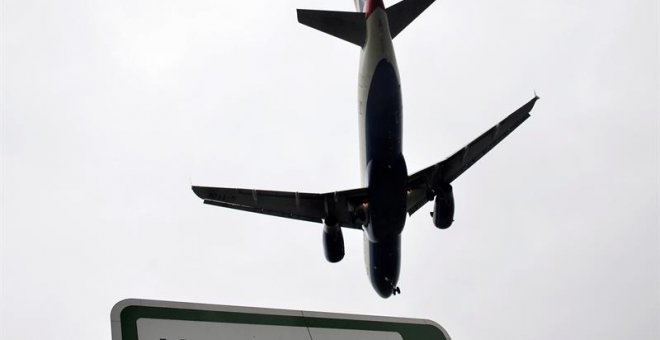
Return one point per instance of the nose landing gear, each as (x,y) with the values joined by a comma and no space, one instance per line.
(395,290)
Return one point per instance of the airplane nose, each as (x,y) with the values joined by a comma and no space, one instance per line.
(384,291)
(384,264)
(384,286)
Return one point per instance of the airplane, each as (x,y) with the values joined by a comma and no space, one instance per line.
(388,193)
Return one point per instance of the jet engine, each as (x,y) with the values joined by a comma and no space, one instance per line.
(333,241)
(443,210)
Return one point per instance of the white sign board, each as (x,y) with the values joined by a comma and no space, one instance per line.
(135,319)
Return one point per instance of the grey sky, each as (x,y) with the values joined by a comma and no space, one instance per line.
(111,109)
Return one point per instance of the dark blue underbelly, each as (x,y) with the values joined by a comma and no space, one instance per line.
(387,175)
(383,114)
(386,167)
(387,198)
(385,263)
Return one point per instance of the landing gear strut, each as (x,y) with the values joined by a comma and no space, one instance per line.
(395,290)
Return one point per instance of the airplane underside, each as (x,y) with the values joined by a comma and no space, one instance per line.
(388,193)
(383,264)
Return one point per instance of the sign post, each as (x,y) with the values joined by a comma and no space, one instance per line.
(135,319)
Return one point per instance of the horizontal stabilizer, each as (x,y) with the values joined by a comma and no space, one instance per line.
(403,13)
(349,26)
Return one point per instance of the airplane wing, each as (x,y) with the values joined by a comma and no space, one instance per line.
(311,207)
(423,183)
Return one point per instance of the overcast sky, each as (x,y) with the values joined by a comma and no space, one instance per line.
(111,109)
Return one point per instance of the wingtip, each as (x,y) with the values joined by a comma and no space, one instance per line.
(196,190)
(299,12)
(531,103)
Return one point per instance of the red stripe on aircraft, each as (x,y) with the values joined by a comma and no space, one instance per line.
(372,5)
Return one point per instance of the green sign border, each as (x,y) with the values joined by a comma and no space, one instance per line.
(130,314)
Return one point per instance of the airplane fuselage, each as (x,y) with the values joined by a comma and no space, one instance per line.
(384,170)
(388,194)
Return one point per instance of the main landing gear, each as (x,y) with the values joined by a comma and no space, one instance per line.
(396,290)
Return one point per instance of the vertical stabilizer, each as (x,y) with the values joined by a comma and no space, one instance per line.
(359,5)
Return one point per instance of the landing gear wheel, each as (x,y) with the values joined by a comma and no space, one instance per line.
(397,290)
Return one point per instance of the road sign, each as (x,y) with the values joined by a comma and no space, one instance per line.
(135,319)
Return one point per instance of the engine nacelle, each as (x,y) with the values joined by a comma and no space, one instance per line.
(333,241)
(443,210)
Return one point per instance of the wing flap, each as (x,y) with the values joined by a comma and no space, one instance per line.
(303,206)
(296,205)
(289,214)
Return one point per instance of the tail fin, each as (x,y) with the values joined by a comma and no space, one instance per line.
(403,13)
(349,26)
(359,5)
